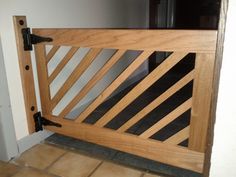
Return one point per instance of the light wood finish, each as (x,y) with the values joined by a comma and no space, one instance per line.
(51,53)
(62,64)
(155,40)
(40,54)
(75,75)
(202,92)
(27,79)
(167,119)
(156,74)
(92,82)
(155,103)
(114,85)
(178,137)
(151,149)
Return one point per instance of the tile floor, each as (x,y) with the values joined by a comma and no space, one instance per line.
(45,160)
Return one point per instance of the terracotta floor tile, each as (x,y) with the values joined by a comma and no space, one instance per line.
(151,175)
(113,170)
(7,169)
(28,172)
(40,156)
(74,165)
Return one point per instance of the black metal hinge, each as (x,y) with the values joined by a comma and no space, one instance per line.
(30,39)
(41,121)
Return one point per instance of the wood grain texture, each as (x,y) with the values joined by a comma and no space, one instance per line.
(156,74)
(178,137)
(75,75)
(40,55)
(202,92)
(114,85)
(92,82)
(62,64)
(27,79)
(155,103)
(157,40)
(151,149)
(167,119)
(51,53)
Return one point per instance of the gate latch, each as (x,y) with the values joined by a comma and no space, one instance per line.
(40,121)
(30,39)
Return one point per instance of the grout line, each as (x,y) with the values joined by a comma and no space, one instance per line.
(143,173)
(57,159)
(95,169)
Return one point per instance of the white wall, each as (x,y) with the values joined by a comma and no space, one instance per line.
(8,147)
(223,161)
(59,13)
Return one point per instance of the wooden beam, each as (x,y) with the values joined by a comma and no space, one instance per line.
(155,150)
(26,72)
(202,92)
(40,54)
(157,40)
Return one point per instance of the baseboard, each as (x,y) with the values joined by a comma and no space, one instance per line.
(31,140)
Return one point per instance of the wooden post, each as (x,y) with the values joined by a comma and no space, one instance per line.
(40,55)
(202,92)
(26,72)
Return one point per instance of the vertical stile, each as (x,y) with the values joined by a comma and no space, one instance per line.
(42,70)
(202,90)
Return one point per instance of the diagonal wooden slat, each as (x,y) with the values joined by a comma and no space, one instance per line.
(167,119)
(78,71)
(114,85)
(51,53)
(155,103)
(62,63)
(179,137)
(97,77)
(141,87)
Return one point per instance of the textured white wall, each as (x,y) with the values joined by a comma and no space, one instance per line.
(59,13)
(223,161)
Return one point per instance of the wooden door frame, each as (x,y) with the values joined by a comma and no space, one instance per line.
(215,87)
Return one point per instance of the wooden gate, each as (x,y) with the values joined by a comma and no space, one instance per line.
(178,43)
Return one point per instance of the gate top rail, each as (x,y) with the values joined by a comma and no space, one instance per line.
(197,41)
